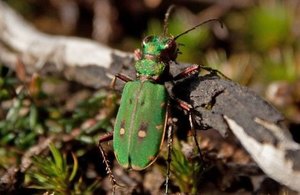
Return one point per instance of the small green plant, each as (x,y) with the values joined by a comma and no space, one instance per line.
(54,174)
(185,173)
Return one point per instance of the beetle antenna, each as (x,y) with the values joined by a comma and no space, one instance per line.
(171,7)
(193,28)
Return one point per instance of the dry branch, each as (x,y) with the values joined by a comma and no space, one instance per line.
(78,59)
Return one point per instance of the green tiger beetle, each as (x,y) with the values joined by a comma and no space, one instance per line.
(143,115)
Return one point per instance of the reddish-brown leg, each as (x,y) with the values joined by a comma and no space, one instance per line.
(121,77)
(195,69)
(106,138)
(187,107)
(170,148)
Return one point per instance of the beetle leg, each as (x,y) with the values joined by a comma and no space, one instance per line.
(106,138)
(213,71)
(195,69)
(195,136)
(187,107)
(170,147)
(121,77)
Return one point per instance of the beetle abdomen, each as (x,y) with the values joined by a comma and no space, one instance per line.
(140,124)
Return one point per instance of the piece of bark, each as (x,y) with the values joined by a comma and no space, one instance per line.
(224,105)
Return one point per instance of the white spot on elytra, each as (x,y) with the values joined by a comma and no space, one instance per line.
(122,131)
(142,133)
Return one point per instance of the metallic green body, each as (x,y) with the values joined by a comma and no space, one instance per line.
(140,124)
(141,120)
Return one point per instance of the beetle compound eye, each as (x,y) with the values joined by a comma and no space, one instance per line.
(147,39)
(169,44)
